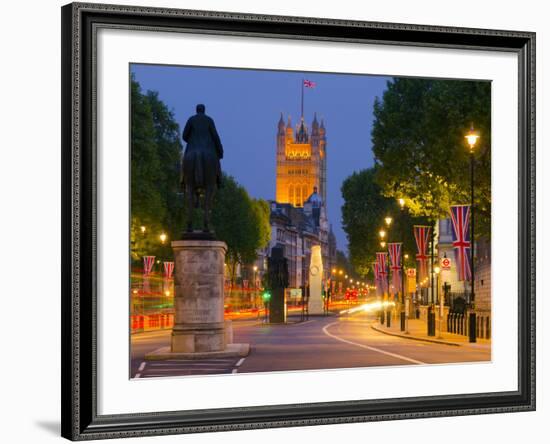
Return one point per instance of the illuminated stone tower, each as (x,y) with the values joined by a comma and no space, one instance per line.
(301,161)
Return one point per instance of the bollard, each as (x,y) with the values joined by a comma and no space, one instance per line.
(388,319)
(432,324)
(402,321)
(472,327)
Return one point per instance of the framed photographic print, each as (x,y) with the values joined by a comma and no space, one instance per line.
(278,221)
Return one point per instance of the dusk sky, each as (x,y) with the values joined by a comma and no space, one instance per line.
(246,106)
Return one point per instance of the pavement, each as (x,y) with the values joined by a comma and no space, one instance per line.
(417,329)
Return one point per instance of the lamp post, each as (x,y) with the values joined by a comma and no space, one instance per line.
(388,220)
(437,270)
(255,270)
(472,138)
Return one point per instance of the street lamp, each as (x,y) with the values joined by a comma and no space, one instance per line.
(382,234)
(383,244)
(472,138)
(401,202)
(163,237)
(437,270)
(388,220)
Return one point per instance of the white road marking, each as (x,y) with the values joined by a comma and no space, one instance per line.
(235,370)
(239,362)
(138,375)
(404,358)
(185,364)
(141,367)
(195,369)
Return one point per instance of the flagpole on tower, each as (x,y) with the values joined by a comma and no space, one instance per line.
(302,109)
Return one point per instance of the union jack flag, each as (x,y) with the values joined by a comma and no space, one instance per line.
(421,235)
(375,270)
(377,281)
(148,262)
(394,248)
(168,269)
(382,273)
(460,218)
(309,84)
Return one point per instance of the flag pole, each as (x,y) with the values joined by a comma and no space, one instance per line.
(302,114)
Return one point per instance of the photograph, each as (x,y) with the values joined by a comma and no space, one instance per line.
(296,220)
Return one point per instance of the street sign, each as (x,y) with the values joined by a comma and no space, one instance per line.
(411,272)
(445,263)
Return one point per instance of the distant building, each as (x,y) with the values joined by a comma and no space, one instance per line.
(298,213)
(482,270)
(301,162)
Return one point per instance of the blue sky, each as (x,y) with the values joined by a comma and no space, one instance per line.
(246,106)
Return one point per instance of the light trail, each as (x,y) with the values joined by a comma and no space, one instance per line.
(368,307)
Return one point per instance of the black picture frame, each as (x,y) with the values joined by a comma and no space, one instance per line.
(79,385)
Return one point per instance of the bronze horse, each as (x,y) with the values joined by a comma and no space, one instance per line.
(201,169)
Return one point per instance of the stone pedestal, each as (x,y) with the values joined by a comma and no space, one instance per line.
(200,330)
(315,303)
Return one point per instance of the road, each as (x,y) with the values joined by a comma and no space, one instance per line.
(320,343)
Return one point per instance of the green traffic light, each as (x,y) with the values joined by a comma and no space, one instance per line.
(266,296)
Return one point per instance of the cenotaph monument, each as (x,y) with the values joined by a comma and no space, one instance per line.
(315,303)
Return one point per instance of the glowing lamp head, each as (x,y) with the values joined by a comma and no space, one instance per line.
(163,237)
(142,228)
(383,244)
(255,268)
(437,270)
(382,234)
(388,220)
(401,202)
(472,138)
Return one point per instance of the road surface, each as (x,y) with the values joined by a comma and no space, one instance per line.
(319,343)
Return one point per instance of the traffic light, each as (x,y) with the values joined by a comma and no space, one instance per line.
(266,296)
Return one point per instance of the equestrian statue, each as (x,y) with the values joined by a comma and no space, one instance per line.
(201,170)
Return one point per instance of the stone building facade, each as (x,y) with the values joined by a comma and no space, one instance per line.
(301,161)
(298,213)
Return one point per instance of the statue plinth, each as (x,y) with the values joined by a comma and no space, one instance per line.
(199,327)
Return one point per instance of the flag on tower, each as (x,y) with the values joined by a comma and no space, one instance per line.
(394,249)
(421,235)
(460,218)
(309,84)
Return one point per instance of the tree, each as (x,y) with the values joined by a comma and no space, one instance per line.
(363,213)
(156,202)
(155,153)
(342,263)
(420,150)
(239,221)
